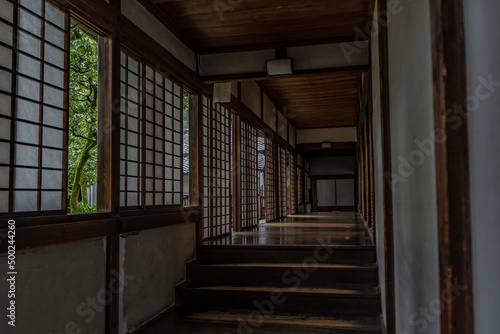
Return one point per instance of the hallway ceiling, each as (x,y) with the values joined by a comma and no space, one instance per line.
(320,100)
(231,25)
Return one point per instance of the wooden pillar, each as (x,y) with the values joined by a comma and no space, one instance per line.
(109,161)
(387,168)
(452,167)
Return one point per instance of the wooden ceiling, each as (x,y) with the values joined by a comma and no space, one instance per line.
(232,25)
(317,100)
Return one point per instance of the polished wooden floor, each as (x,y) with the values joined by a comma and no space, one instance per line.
(230,275)
(302,230)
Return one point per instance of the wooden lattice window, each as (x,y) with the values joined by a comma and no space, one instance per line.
(283,182)
(300,185)
(293,184)
(207,105)
(307,184)
(270,181)
(162,140)
(216,170)
(249,176)
(151,137)
(220,171)
(34,56)
(131,132)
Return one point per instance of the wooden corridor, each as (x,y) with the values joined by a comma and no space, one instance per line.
(304,274)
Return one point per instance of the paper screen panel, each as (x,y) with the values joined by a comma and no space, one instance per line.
(162,140)
(33,106)
(216,170)
(270,181)
(130,132)
(249,176)
(300,185)
(283,188)
(293,184)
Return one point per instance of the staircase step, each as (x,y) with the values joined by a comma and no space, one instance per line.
(347,324)
(362,301)
(283,274)
(220,323)
(286,254)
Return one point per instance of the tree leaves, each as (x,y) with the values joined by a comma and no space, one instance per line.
(83,94)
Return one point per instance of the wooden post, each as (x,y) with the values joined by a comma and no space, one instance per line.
(109,163)
(387,168)
(452,167)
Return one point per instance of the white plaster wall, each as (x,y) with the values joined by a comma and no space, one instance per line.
(483,55)
(378,166)
(304,58)
(141,17)
(292,139)
(53,287)
(282,126)
(250,96)
(235,62)
(328,55)
(414,197)
(308,136)
(157,259)
(269,113)
(234,89)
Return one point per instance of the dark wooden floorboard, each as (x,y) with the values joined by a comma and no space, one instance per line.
(338,295)
(336,228)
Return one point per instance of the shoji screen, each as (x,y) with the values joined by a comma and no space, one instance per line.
(34,53)
(270,181)
(207,113)
(293,184)
(283,181)
(216,170)
(220,171)
(151,137)
(300,185)
(162,140)
(307,190)
(131,132)
(249,176)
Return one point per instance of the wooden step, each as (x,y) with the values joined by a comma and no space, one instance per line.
(238,322)
(283,274)
(346,324)
(360,301)
(286,254)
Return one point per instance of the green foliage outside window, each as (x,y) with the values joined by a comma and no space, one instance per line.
(82,139)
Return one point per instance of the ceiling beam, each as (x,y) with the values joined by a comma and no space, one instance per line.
(270,45)
(259,76)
